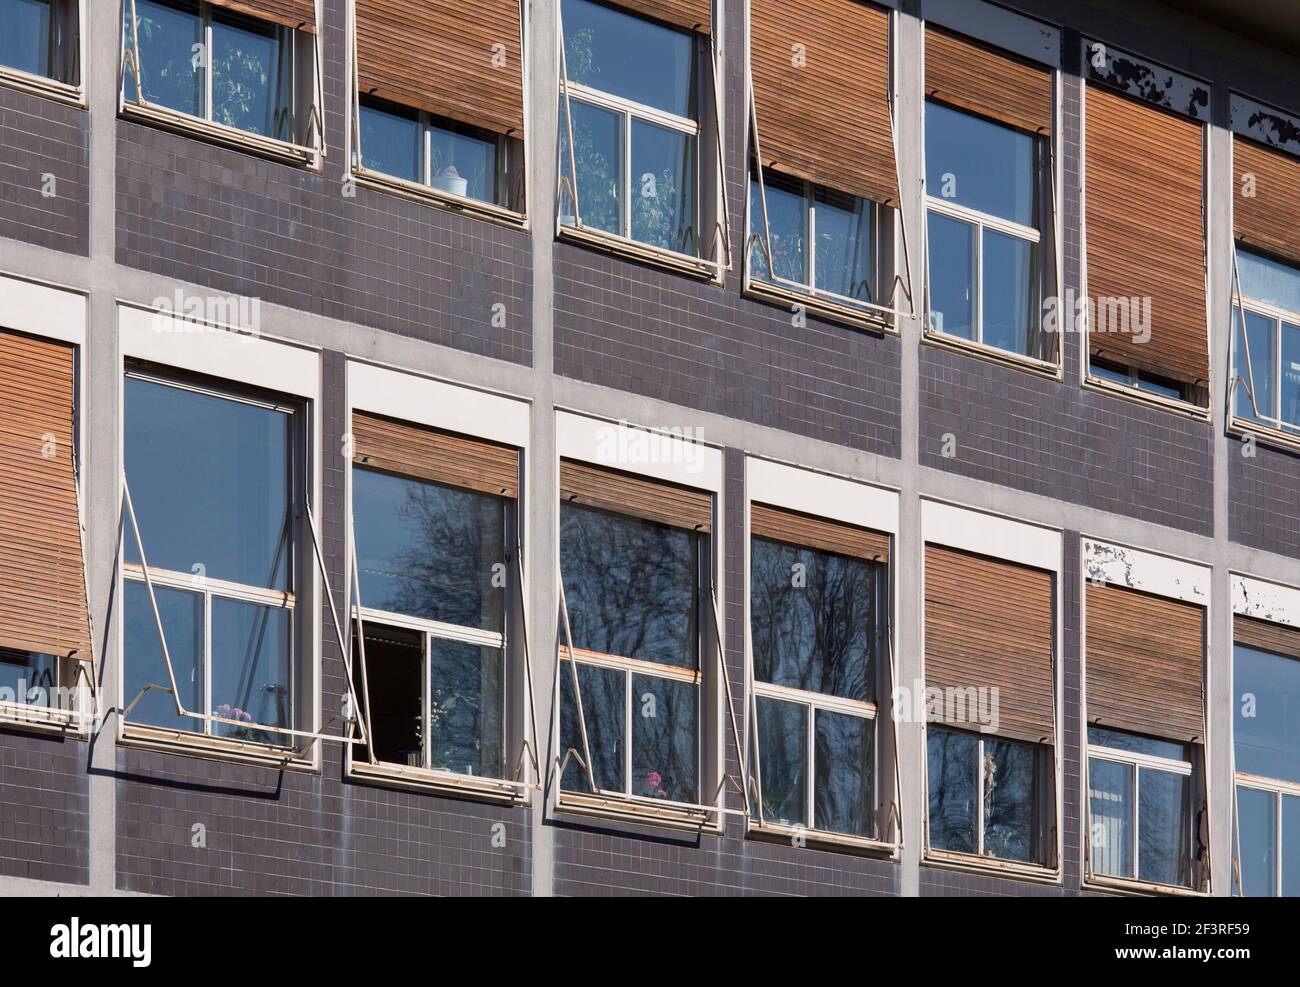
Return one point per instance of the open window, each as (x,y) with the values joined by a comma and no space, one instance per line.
(40,48)
(243,73)
(438,102)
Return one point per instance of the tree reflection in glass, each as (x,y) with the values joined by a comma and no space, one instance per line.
(953,771)
(783,754)
(845,767)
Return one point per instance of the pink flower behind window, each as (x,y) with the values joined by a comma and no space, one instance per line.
(653,780)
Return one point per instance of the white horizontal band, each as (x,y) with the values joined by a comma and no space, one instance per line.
(821,495)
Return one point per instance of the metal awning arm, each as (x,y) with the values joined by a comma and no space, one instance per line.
(893,720)
(568,126)
(528,665)
(361,629)
(726,685)
(722,156)
(577,689)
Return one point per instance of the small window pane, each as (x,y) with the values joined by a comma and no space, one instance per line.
(1270,281)
(953,771)
(598,156)
(787,224)
(25,40)
(1257,849)
(844,771)
(1163,834)
(1135,744)
(1010,294)
(390,142)
(1290,846)
(663,187)
(1110,800)
(463,163)
(251,88)
(979,164)
(466,708)
(952,276)
(1267,740)
(783,757)
(1010,793)
(603,705)
(169,70)
(394,673)
(845,264)
(665,755)
(251,649)
(1261,337)
(143,664)
(1290,396)
(29,679)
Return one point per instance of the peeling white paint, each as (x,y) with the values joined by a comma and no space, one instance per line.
(1266,124)
(1266,601)
(1120,565)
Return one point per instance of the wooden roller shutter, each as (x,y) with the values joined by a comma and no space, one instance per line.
(971,75)
(650,500)
(42,567)
(1278,639)
(427,454)
(693,15)
(437,56)
(1145,663)
(989,624)
(827,120)
(806,531)
(1146,233)
(1270,219)
(300,14)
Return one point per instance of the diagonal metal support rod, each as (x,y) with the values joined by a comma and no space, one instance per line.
(893,722)
(726,685)
(577,689)
(371,756)
(532,748)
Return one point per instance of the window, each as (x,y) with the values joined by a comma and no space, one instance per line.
(983,204)
(1139,798)
(632,95)
(983,797)
(1270,298)
(40,38)
(216,480)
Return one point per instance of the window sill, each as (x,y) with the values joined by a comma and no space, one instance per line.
(1123,885)
(428,196)
(992,867)
(1184,408)
(39,719)
(619,246)
(630,810)
(239,140)
(991,354)
(818,840)
(39,85)
(1265,433)
(439,782)
(213,748)
(819,305)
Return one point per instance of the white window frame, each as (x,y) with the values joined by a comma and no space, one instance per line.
(1241,377)
(1280,790)
(73,93)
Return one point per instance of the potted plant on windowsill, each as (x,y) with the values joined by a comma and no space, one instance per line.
(226,711)
(449,180)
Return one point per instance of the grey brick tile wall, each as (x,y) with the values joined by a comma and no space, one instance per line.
(44,808)
(1264,498)
(41,137)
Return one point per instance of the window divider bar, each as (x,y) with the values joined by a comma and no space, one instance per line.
(896,803)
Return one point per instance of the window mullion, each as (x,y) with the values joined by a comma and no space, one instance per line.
(810,211)
(627,731)
(426,704)
(811,763)
(979,794)
(1278,799)
(627,174)
(208,726)
(979,290)
(208,113)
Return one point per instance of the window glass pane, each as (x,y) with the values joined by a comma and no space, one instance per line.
(628,56)
(952,276)
(142,656)
(1267,280)
(783,756)
(1115,374)
(466,704)
(631,586)
(251,649)
(1266,721)
(29,679)
(1131,742)
(390,142)
(1262,340)
(845,265)
(428,550)
(787,223)
(210,482)
(1163,827)
(598,156)
(1290,394)
(953,772)
(663,187)
(394,683)
(1010,294)
(979,164)
(665,754)
(603,704)
(25,40)
(250,86)
(1290,846)
(1110,802)
(171,73)
(813,617)
(1010,795)
(1146,383)
(1257,846)
(844,773)
(463,162)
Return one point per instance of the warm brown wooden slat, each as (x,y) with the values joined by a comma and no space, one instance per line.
(428,454)
(1268,220)
(693,15)
(990,624)
(807,531)
(1145,663)
(651,500)
(1278,639)
(437,56)
(42,566)
(828,120)
(300,14)
(975,76)
(1146,231)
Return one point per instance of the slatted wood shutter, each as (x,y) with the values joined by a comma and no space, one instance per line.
(1146,232)
(807,531)
(989,623)
(1145,658)
(693,15)
(1269,219)
(635,496)
(299,14)
(42,565)
(437,56)
(827,121)
(428,454)
(1277,639)
(977,77)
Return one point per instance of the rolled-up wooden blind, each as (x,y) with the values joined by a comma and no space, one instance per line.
(438,56)
(428,454)
(300,14)
(1146,232)
(42,567)
(1145,663)
(693,15)
(811,532)
(1267,218)
(989,624)
(623,493)
(974,76)
(821,93)
(1278,639)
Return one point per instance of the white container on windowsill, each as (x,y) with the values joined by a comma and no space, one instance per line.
(449,180)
